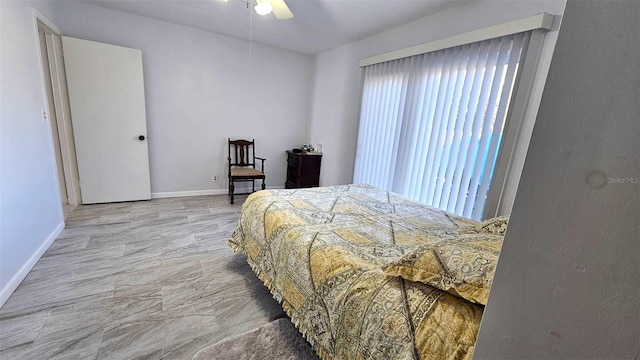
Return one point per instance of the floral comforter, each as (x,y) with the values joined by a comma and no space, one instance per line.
(325,254)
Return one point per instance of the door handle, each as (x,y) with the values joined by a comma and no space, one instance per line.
(141,137)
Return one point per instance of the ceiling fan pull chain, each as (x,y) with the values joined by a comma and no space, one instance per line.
(250,39)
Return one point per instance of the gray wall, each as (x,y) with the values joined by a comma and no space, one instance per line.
(568,281)
(30,207)
(200,89)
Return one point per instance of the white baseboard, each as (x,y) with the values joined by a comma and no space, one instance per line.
(17,278)
(170,194)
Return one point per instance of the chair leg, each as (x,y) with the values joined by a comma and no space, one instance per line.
(253,186)
(231,188)
(262,184)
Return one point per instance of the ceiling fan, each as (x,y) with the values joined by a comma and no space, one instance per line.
(278,7)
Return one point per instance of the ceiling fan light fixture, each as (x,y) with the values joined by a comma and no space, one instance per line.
(263,7)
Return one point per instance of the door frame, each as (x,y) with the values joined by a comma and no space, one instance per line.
(61,112)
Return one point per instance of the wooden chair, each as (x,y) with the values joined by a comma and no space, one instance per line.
(242,165)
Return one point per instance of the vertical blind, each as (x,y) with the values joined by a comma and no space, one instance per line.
(431,124)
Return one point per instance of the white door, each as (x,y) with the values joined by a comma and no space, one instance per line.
(106,95)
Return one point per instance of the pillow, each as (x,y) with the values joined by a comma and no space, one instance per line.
(462,265)
(497,225)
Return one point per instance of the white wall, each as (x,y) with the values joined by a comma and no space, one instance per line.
(568,282)
(30,206)
(338,82)
(200,90)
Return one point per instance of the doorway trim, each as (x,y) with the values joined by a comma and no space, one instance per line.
(54,57)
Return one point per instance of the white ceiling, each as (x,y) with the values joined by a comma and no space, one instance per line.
(318,25)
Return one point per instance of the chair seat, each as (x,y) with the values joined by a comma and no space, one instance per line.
(246,172)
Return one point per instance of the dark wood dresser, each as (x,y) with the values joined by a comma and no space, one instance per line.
(303,170)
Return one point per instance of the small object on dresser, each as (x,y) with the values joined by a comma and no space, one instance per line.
(307,148)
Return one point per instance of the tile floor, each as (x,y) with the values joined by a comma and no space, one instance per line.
(136,280)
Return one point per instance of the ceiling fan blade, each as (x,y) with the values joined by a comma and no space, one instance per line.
(281,10)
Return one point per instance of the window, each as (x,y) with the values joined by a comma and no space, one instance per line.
(431,124)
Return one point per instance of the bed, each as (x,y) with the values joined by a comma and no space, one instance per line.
(368,274)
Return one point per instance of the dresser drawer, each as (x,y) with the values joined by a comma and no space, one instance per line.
(293,159)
